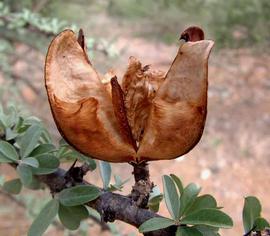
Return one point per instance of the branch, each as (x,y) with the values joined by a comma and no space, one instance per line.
(111,206)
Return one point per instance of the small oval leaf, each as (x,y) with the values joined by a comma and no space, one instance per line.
(13,186)
(171,197)
(29,140)
(178,183)
(25,173)
(44,219)
(8,153)
(78,195)
(210,217)
(48,163)
(155,224)
(42,149)
(30,161)
(202,202)
(71,216)
(105,172)
(252,210)
(187,231)
(188,197)
(261,224)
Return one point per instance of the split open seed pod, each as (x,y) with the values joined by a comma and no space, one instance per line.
(151,116)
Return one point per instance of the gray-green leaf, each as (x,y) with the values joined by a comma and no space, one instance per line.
(178,183)
(187,231)
(207,230)
(48,163)
(171,197)
(202,202)
(13,186)
(42,149)
(252,210)
(71,216)
(78,195)
(44,219)
(105,172)
(29,140)
(155,224)
(8,153)
(30,161)
(261,224)
(25,173)
(210,217)
(188,197)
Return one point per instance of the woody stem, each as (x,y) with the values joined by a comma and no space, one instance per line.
(143,186)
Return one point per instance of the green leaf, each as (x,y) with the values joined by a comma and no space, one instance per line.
(25,173)
(10,134)
(105,172)
(35,184)
(30,161)
(78,195)
(44,219)
(187,231)
(155,224)
(178,183)
(207,230)
(171,197)
(154,199)
(188,197)
(29,140)
(89,161)
(42,149)
(252,210)
(72,216)
(13,186)
(202,202)
(8,153)
(48,163)
(261,224)
(210,217)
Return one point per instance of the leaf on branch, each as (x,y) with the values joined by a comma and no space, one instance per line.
(42,149)
(48,163)
(29,140)
(8,153)
(188,197)
(154,199)
(207,230)
(252,210)
(44,219)
(71,217)
(178,183)
(155,224)
(171,197)
(261,224)
(210,217)
(202,202)
(13,186)
(78,195)
(187,231)
(25,173)
(105,172)
(30,161)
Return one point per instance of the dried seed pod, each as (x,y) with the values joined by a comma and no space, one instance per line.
(154,116)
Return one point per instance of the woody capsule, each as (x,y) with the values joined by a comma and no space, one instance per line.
(151,116)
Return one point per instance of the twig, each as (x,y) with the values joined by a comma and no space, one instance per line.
(141,190)
(111,206)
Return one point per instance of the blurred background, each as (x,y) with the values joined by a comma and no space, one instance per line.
(233,158)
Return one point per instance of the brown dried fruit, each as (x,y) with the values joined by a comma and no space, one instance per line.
(153,116)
